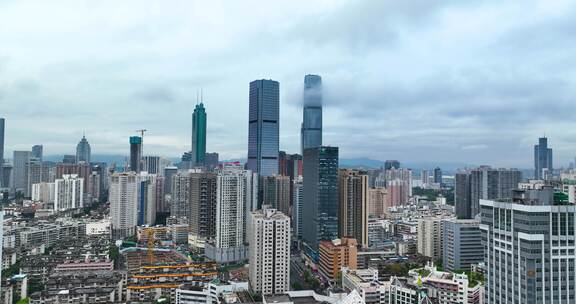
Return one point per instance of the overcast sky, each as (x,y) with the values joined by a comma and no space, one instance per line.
(460,81)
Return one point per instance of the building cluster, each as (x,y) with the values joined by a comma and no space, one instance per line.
(281,228)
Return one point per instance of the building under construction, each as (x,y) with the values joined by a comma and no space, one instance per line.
(157,273)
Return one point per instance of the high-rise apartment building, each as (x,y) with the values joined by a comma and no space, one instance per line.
(276,192)
(311,132)
(354,205)
(168,173)
(37,152)
(482,183)
(147,198)
(43,192)
(377,202)
(20,160)
(321,203)
(180,206)
(202,190)
(543,166)
(462,244)
(236,198)
(83,152)
(35,172)
(198,135)
(68,192)
(269,253)
(425,177)
(297,207)
(82,169)
(430,237)
(529,249)
(123,197)
(398,183)
(151,164)
(135,153)
(263,138)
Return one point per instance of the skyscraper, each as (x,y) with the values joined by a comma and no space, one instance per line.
(123,203)
(37,152)
(83,150)
(529,248)
(2,125)
(263,138)
(482,183)
(321,205)
(269,259)
(311,132)
(20,159)
(35,172)
(438,176)
(542,159)
(135,153)
(198,135)
(354,205)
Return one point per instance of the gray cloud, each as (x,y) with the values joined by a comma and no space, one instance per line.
(472,82)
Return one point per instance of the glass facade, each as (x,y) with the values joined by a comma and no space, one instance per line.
(199,135)
(263,129)
(312,120)
(321,205)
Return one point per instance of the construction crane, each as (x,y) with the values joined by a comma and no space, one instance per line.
(150,234)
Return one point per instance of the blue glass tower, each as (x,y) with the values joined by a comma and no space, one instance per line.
(321,196)
(542,159)
(263,128)
(311,134)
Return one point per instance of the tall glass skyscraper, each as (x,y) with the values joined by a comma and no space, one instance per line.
(135,153)
(263,139)
(83,150)
(312,120)
(198,134)
(542,159)
(320,216)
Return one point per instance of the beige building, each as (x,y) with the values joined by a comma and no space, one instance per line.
(377,202)
(430,237)
(354,205)
(337,254)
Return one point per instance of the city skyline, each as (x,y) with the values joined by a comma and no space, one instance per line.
(443,97)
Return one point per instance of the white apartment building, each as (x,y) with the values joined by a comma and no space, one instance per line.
(123,199)
(68,192)
(269,253)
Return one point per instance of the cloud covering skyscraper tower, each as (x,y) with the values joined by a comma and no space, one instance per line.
(311,133)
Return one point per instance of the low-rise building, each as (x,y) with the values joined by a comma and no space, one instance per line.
(337,254)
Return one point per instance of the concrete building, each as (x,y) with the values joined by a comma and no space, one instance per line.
(180,206)
(337,254)
(123,197)
(236,198)
(211,161)
(135,153)
(298,207)
(311,132)
(462,244)
(168,173)
(263,129)
(438,176)
(269,239)
(68,192)
(37,152)
(366,283)
(83,152)
(321,211)
(482,183)
(43,192)
(147,198)
(203,187)
(19,161)
(430,237)
(543,167)
(276,190)
(36,172)
(378,203)
(529,248)
(152,165)
(354,205)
